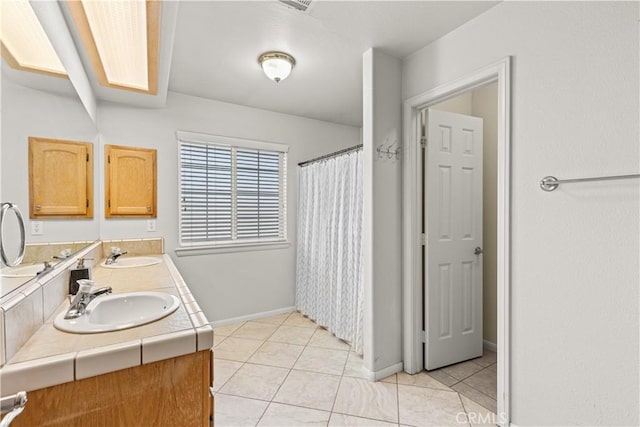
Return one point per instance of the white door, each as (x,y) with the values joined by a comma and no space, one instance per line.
(453,228)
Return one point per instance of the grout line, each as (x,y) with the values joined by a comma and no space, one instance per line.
(464,409)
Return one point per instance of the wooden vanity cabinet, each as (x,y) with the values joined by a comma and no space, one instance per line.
(130,182)
(171,392)
(60,178)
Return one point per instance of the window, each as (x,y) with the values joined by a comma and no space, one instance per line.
(232,191)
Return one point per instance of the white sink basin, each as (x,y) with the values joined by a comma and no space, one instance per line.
(22,270)
(133,262)
(119,311)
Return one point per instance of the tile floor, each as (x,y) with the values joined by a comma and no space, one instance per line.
(287,371)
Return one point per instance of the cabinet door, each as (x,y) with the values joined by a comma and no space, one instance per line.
(60,179)
(130,176)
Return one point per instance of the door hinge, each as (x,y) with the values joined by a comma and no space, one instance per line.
(108,159)
(423,239)
(423,141)
(424,336)
(109,203)
(87,157)
(87,202)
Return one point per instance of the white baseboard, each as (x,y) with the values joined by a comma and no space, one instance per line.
(490,346)
(382,373)
(253,316)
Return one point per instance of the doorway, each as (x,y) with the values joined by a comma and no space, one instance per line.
(413,261)
(461,158)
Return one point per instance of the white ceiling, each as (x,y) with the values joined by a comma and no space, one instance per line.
(217,44)
(210,49)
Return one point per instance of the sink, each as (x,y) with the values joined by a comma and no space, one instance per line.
(119,311)
(133,262)
(22,270)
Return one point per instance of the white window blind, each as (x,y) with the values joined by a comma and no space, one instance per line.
(231,194)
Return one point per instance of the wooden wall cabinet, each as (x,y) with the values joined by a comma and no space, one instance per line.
(60,178)
(130,182)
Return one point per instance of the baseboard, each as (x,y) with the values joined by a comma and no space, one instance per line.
(382,373)
(253,316)
(489,346)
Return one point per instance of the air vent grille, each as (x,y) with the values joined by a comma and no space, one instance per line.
(301,5)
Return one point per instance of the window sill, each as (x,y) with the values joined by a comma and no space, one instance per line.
(230,248)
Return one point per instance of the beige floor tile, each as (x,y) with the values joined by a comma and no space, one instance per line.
(217,339)
(227,329)
(233,411)
(488,358)
(255,381)
(367,399)
(292,335)
(238,349)
(297,319)
(351,421)
(421,379)
(462,370)
(478,397)
(277,354)
(391,379)
(324,338)
(477,415)
(279,415)
(443,377)
(274,320)
(421,406)
(484,381)
(309,389)
(222,371)
(324,360)
(353,368)
(255,331)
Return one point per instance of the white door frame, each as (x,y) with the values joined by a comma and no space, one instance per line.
(412,214)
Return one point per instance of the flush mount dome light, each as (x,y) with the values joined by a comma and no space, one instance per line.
(276,65)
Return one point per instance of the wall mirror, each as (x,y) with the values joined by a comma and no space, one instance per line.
(39,105)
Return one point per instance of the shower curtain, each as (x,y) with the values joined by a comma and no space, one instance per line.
(329,286)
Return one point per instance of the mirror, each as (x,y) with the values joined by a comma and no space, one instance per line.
(39,105)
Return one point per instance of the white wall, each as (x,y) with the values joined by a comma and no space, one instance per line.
(575,251)
(230,284)
(382,199)
(29,112)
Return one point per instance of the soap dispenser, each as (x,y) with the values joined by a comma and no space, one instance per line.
(79,273)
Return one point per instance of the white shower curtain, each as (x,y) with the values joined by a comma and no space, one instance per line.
(329,286)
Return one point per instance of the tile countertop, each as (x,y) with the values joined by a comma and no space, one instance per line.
(52,357)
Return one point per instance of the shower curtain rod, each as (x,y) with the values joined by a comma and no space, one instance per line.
(330,155)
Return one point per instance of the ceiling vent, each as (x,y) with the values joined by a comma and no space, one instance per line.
(301,5)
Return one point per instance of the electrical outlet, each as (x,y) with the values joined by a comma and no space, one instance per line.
(151,225)
(36,228)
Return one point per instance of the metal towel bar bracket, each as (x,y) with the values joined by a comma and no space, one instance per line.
(550,183)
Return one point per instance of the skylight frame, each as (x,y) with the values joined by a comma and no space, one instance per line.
(13,61)
(85,32)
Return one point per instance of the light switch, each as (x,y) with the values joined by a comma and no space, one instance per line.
(36,228)
(151,225)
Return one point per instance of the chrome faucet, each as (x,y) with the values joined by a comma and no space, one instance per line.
(85,295)
(115,254)
(47,266)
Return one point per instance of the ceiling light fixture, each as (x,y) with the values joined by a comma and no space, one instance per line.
(276,65)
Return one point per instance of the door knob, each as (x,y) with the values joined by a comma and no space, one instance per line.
(477,250)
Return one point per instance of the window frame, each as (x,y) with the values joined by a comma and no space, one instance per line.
(233,245)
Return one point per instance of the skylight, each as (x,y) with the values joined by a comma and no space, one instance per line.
(25,45)
(121,39)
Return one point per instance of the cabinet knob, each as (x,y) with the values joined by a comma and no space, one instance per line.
(38,207)
(148,208)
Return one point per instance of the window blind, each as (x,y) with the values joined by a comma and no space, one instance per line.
(231,194)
